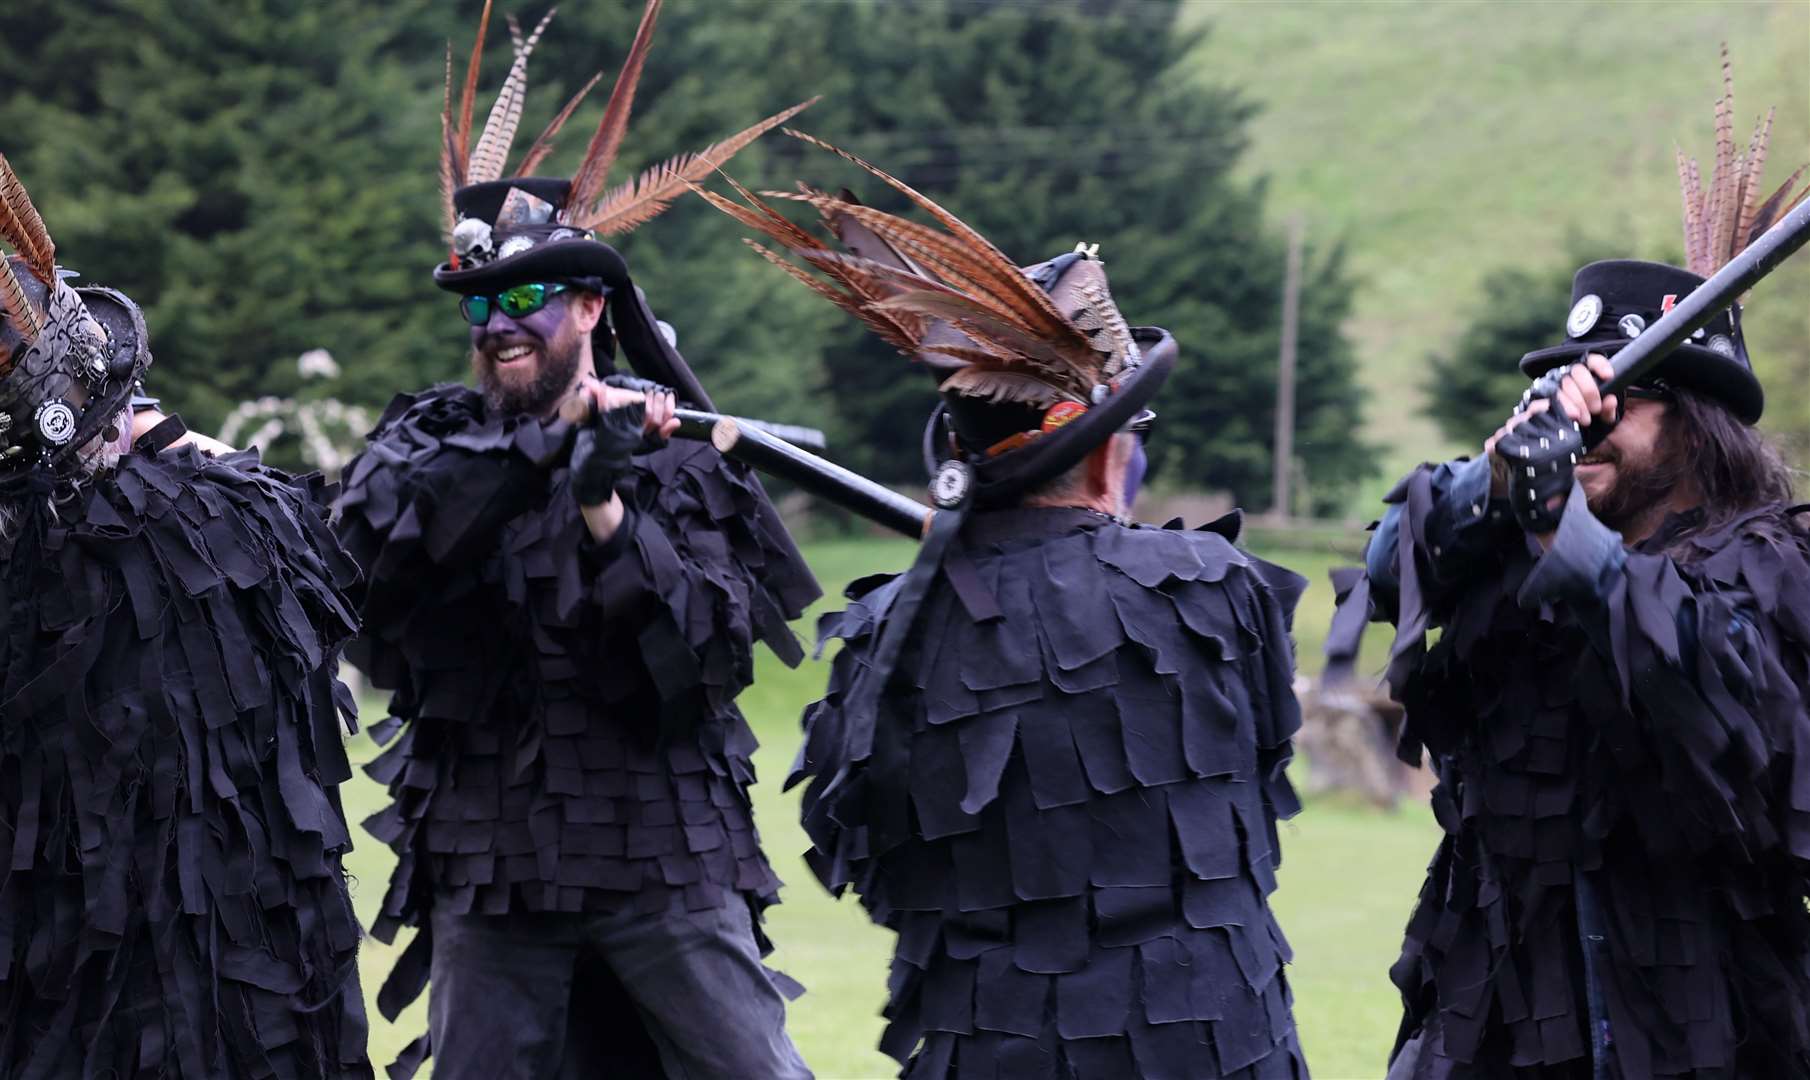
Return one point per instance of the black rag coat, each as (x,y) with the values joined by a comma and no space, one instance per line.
(1069,810)
(563,713)
(172,902)
(1621,737)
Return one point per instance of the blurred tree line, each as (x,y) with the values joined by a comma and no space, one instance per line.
(262,177)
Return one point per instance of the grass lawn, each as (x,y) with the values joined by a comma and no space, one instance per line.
(1348,878)
(1441,140)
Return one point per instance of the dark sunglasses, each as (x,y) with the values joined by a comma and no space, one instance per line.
(515,302)
(1650,392)
(1141,424)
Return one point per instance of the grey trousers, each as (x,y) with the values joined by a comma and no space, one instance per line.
(533,996)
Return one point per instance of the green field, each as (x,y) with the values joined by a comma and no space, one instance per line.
(1348,879)
(1441,140)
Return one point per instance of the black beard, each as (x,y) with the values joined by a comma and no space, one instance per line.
(558,366)
(1639,487)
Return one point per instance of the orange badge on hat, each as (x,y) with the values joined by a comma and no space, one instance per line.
(1061,414)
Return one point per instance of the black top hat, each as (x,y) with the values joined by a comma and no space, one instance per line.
(1614,300)
(509,232)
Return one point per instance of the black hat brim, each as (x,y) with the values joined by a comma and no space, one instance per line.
(558,260)
(1694,367)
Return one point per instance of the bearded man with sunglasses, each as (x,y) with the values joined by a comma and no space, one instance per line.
(1618,709)
(565,624)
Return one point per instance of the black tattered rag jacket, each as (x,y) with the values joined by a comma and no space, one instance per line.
(1621,740)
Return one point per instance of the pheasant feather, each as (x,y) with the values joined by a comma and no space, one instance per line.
(649,194)
(1028,292)
(543,143)
(452,173)
(470,92)
(1750,180)
(588,181)
(492,151)
(1720,221)
(945,296)
(19,310)
(21,225)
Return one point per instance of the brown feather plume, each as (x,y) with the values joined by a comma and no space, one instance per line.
(23,228)
(466,99)
(452,174)
(857,237)
(492,151)
(853,290)
(644,198)
(19,310)
(543,143)
(1721,183)
(1693,203)
(1778,204)
(1720,221)
(1027,291)
(1755,163)
(588,181)
(925,282)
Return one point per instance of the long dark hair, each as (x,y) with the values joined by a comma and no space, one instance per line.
(1736,470)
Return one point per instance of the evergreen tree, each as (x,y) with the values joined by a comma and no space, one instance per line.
(259,178)
(263,179)
(1476,384)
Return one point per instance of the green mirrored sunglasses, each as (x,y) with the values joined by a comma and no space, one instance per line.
(515,302)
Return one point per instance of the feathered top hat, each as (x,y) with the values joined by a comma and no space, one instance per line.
(69,357)
(1036,365)
(1613,301)
(509,230)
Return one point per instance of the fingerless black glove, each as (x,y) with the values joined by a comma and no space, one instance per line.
(601,452)
(1542,453)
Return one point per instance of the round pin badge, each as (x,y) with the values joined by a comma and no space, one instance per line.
(949,488)
(1631,325)
(515,245)
(1583,315)
(1722,345)
(55,421)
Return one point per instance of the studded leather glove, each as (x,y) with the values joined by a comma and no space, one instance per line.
(1542,452)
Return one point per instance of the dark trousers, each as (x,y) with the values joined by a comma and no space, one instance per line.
(533,996)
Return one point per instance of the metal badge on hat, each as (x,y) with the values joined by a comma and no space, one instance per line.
(62,347)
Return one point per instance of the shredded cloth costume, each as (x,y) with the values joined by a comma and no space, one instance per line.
(172,903)
(1051,755)
(1621,737)
(569,749)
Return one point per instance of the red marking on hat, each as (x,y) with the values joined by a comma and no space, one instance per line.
(1666,304)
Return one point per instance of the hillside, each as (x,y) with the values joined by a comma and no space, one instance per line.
(1440,140)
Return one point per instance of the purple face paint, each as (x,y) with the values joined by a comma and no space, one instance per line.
(526,382)
(1134,473)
